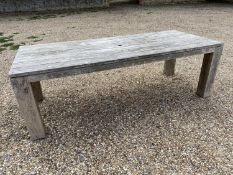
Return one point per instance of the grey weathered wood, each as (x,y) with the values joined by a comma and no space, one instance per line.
(45,61)
(28,107)
(37,91)
(208,72)
(118,64)
(54,57)
(169,67)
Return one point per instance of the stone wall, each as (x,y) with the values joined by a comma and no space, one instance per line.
(42,5)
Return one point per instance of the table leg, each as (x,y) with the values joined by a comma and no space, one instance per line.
(169,67)
(208,72)
(28,107)
(37,91)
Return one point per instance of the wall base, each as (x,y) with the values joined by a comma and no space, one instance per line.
(155,2)
(43,5)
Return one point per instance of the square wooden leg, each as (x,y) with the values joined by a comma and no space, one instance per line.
(169,67)
(28,107)
(37,91)
(208,72)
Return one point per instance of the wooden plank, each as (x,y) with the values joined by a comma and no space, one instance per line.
(113,65)
(93,50)
(28,107)
(169,67)
(91,55)
(208,72)
(75,57)
(47,58)
(37,91)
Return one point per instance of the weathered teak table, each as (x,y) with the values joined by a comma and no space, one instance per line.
(45,61)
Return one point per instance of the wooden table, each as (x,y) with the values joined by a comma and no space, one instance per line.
(45,61)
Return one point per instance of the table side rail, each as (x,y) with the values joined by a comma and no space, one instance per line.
(101,66)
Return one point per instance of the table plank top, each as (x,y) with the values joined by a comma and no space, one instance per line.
(46,58)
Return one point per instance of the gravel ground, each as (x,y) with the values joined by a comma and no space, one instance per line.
(124,121)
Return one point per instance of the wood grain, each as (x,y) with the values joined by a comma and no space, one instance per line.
(53,57)
(37,91)
(169,67)
(28,107)
(208,72)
